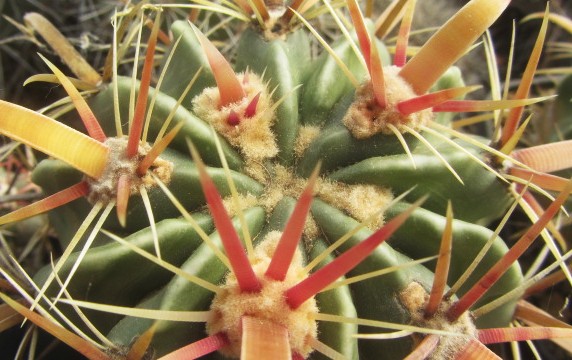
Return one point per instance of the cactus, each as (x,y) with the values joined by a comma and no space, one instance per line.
(341,204)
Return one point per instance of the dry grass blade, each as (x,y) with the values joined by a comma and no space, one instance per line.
(9,317)
(563,21)
(89,120)
(61,45)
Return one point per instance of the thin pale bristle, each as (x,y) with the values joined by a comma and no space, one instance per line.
(514,140)
(484,250)
(324,349)
(104,340)
(157,149)
(442,268)
(82,346)
(260,8)
(68,251)
(86,246)
(403,143)
(324,254)
(138,120)
(494,273)
(525,82)
(188,217)
(467,152)
(326,275)
(382,324)
(52,78)
(329,49)
(493,70)
(434,151)
(151,217)
(174,269)
(154,314)
(158,89)
(547,282)
(476,119)
(54,310)
(246,278)
(385,335)
(471,140)
(381,272)
(295,5)
(243,5)
(173,111)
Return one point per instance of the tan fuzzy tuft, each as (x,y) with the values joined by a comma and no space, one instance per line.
(306,135)
(105,188)
(414,299)
(365,118)
(230,305)
(360,201)
(244,202)
(252,136)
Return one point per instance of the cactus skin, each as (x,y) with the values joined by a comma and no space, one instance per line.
(379,161)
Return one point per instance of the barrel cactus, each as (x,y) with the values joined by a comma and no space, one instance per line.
(280,204)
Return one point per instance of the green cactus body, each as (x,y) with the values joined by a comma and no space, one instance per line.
(305,103)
